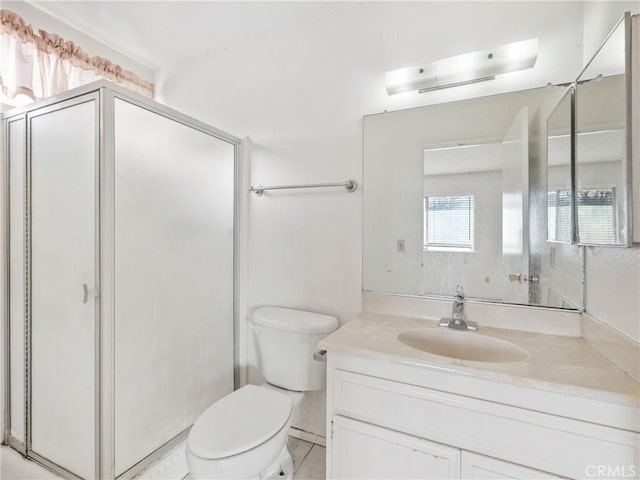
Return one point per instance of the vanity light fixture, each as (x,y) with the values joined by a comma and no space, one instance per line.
(463,69)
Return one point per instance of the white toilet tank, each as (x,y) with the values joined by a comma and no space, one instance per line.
(287,340)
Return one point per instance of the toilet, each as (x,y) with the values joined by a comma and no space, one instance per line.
(244,434)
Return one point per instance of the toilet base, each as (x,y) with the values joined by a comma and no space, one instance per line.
(281,468)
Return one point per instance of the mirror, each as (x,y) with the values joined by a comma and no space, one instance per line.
(456,194)
(603,164)
(560,212)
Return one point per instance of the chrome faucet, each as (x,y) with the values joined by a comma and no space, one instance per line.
(458,320)
(457,312)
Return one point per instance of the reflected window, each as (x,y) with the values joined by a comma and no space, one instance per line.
(449,222)
(596,215)
(559,211)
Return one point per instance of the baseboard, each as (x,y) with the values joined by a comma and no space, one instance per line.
(308,436)
(620,349)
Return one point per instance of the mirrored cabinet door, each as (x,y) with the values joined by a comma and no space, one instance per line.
(560,205)
(603,143)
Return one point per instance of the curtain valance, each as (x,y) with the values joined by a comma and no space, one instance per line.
(43,64)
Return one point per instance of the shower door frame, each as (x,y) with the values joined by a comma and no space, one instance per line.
(4,279)
(106,467)
(26,114)
(36,112)
(105,94)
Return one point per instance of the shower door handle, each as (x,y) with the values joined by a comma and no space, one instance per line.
(89,292)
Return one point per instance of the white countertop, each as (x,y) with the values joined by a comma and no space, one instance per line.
(559,364)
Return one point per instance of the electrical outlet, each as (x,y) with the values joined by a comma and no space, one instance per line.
(400,244)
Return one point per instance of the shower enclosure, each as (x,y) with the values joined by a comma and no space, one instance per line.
(119,283)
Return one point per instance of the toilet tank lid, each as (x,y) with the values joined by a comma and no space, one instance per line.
(293,320)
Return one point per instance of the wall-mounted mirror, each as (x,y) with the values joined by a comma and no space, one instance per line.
(603,143)
(560,205)
(456,194)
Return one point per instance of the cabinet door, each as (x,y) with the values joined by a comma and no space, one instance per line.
(362,450)
(479,467)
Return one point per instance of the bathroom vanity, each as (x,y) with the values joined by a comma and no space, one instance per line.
(561,410)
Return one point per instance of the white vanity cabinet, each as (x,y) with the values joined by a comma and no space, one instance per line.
(391,419)
(365,451)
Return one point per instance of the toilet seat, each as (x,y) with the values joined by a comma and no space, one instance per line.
(239,422)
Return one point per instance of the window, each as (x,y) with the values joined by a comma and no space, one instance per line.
(449,222)
(596,215)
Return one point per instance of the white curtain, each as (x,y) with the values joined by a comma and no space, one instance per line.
(42,64)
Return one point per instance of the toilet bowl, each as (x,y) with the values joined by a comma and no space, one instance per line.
(244,434)
(240,435)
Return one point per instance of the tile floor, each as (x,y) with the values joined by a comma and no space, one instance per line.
(14,467)
(308,460)
(308,463)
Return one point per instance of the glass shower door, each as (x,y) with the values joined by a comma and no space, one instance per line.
(174,278)
(63,147)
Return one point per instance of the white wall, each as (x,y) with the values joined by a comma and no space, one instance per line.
(613,287)
(599,19)
(300,94)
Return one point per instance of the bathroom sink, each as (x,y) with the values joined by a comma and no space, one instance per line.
(463,345)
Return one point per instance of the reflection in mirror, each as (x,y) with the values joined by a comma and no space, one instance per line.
(603,166)
(560,213)
(459,187)
(456,194)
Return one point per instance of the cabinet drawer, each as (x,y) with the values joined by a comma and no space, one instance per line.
(559,445)
(479,467)
(365,451)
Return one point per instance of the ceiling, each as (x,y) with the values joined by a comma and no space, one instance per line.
(160,33)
